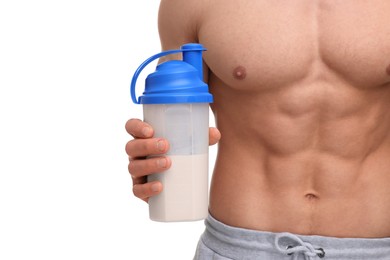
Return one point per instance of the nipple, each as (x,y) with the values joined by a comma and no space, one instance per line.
(388,69)
(239,72)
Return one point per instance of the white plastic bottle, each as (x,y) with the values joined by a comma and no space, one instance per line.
(176,104)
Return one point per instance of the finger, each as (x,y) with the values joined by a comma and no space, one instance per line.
(139,168)
(214,135)
(139,180)
(146,147)
(147,190)
(139,129)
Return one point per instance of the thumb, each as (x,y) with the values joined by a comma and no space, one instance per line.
(214,135)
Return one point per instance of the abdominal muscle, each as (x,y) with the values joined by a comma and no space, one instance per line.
(319,166)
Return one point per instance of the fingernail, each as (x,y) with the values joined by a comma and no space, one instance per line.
(161,145)
(155,187)
(162,163)
(146,131)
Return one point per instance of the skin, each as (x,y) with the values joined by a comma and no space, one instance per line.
(302,91)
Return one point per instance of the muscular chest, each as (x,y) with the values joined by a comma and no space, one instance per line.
(280,42)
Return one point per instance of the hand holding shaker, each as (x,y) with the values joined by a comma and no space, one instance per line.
(176,104)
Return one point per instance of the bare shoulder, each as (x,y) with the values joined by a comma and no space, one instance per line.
(178,22)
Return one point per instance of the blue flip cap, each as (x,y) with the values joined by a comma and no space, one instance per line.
(175,81)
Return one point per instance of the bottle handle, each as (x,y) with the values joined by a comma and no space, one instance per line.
(185,48)
(142,66)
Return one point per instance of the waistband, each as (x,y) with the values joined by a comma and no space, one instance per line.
(240,243)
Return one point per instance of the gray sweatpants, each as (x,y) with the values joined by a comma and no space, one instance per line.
(223,242)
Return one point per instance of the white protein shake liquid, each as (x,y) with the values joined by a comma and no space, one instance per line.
(185,190)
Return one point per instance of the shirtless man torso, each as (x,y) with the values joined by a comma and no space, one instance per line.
(302,101)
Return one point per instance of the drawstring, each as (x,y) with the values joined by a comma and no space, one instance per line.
(298,246)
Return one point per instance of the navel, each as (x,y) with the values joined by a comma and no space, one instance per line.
(239,72)
(388,69)
(311,196)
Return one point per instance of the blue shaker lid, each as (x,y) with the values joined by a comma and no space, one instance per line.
(175,81)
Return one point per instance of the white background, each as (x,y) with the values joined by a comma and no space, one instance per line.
(65,193)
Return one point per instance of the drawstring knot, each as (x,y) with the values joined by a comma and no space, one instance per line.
(295,245)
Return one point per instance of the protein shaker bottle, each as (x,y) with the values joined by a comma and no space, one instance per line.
(176,104)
